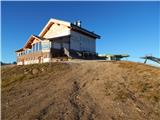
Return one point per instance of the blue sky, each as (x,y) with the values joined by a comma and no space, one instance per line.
(125,27)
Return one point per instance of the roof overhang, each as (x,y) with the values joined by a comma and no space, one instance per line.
(60,37)
(20,50)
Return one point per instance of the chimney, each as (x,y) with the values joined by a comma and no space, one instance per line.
(78,23)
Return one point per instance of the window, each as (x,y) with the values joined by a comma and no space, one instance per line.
(36,47)
(22,52)
(26,51)
(40,46)
(33,48)
(45,46)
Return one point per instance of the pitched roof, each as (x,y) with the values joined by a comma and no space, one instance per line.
(68,24)
(50,23)
(30,40)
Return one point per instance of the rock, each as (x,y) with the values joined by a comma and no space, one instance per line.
(26,71)
(35,71)
(42,69)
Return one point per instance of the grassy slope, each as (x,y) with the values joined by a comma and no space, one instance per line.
(84,90)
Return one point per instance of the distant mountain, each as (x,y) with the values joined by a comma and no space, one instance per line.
(3,63)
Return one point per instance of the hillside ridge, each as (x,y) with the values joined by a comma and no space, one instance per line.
(81,91)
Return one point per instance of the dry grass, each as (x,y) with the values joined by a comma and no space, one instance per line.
(82,90)
(20,73)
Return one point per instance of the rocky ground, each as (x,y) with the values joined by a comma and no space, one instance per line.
(81,91)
